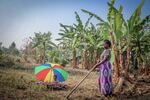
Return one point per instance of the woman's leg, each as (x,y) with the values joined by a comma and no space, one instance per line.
(106,81)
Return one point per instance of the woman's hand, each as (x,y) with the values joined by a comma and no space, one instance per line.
(97,69)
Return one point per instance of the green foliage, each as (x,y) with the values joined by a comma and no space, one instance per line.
(116,20)
(132,33)
(94,15)
(8,61)
(134,19)
(42,43)
(57,55)
(80,37)
(42,38)
(13,50)
(86,36)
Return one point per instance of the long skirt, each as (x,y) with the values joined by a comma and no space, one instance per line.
(105,78)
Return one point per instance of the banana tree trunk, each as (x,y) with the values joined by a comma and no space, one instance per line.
(85,65)
(95,56)
(116,65)
(82,59)
(143,68)
(74,59)
(128,59)
(91,60)
(124,76)
(121,59)
(116,61)
(44,50)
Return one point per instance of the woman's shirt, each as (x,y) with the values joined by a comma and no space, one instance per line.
(106,52)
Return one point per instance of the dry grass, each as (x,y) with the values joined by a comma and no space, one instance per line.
(20,84)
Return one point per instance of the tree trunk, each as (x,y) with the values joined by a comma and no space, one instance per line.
(124,79)
(82,59)
(44,50)
(128,59)
(144,65)
(119,87)
(74,59)
(95,57)
(143,70)
(116,62)
(91,60)
(85,59)
(121,59)
(124,76)
(121,77)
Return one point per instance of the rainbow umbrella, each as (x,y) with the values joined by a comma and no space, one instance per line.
(46,72)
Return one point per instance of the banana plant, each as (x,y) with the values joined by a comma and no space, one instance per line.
(69,39)
(94,43)
(73,37)
(43,43)
(114,26)
(130,28)
(140,40)
(90,41)
(121,31)
(81,29)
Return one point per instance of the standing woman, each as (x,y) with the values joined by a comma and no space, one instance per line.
(105,78)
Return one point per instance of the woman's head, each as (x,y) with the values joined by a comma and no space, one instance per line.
(107,44)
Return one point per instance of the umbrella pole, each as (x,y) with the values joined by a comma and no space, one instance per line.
(82,80)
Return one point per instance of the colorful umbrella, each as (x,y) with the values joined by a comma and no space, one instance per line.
(48,73)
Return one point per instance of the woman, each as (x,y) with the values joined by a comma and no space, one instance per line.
(105,78)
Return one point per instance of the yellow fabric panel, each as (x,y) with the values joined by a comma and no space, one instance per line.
(50,76)
(52,64)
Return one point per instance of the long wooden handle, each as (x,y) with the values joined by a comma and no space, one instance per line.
(81,81)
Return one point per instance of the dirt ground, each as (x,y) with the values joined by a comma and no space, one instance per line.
(19,84)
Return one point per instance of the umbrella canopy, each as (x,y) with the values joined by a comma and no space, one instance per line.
(50,73)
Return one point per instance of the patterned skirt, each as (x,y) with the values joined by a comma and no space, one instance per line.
(105,78)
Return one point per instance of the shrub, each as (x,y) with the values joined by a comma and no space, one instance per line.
(7,61)
(63,62)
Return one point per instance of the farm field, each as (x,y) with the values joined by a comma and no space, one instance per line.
(20,84)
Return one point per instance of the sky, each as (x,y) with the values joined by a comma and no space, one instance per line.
(19,19)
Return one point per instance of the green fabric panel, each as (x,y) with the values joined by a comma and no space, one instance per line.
(40,68)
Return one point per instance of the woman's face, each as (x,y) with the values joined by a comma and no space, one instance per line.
(105,45)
